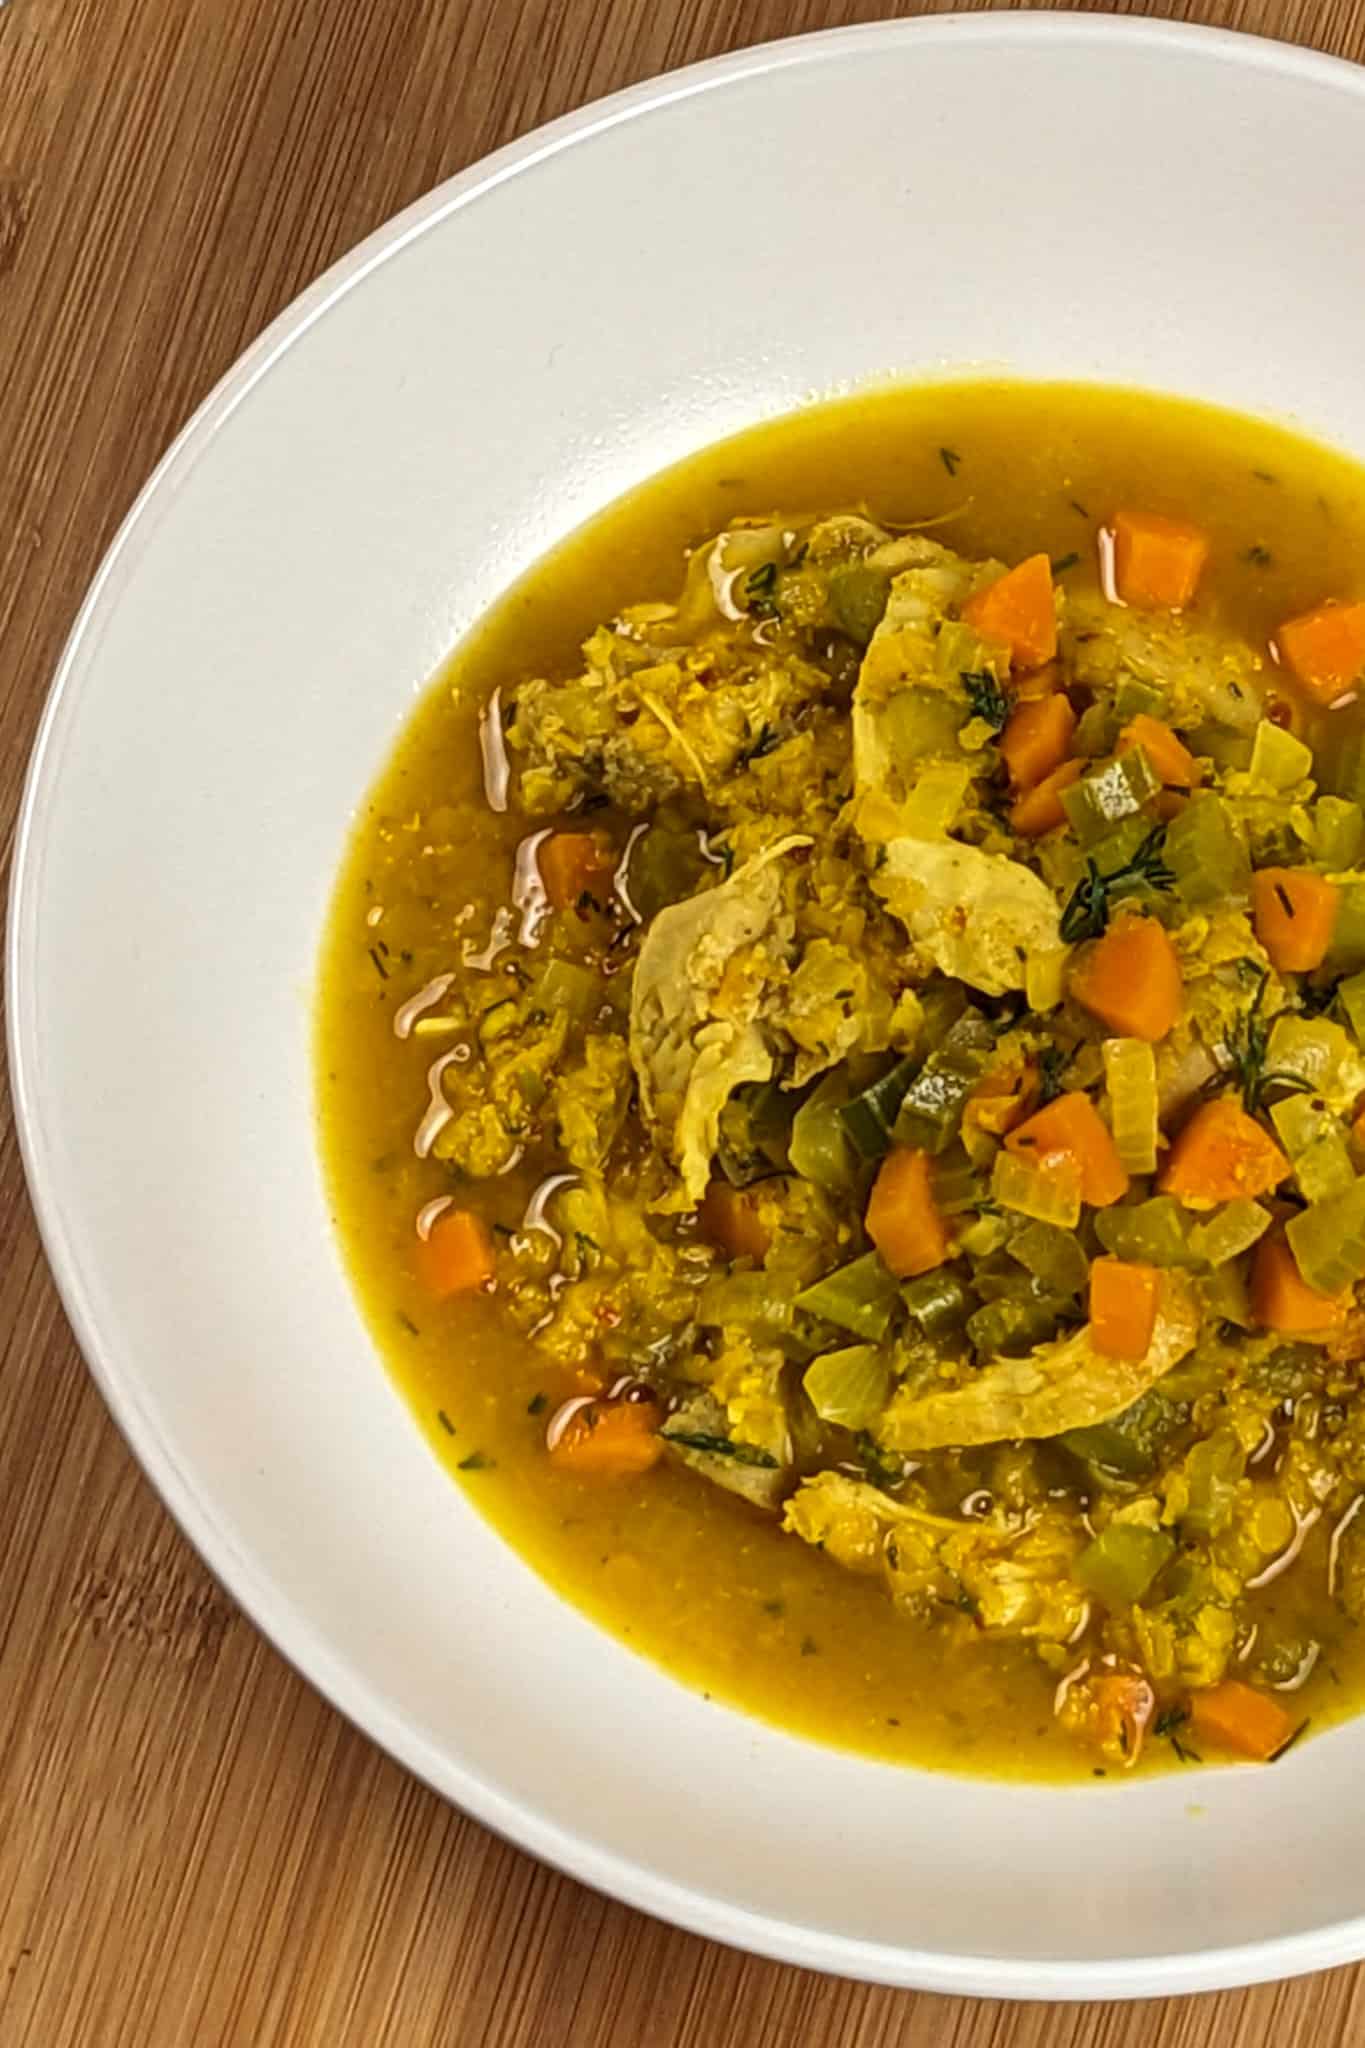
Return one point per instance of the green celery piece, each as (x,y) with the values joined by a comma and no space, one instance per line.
(819,1150)
(1052,1256)
(1014,1323)
(860,1297)
(931,1107)
(1316,1145)
(1351,996)
(1204,852)
(869,1119)
(983,1237)
(1342,768)
(1115,791)
(566,986)
(957,1184)
(1096,734)
(1310,1048)
(754,1133)
(1231,1230)
(1130,1443)
(937,1302)
(1338,831)
(1328,1240)
(1346,954)
(1213,1471)
(1224,1295)
(857,598)
(1219,744)
(1151,1233)
(1277,758)
(919,724)
(742,1299)
(1123,1562)
(1133,698)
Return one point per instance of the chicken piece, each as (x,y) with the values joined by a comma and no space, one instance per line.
(977,916)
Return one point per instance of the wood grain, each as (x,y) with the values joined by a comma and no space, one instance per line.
(193,1848)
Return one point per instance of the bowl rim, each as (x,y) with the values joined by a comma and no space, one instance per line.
(289,1630)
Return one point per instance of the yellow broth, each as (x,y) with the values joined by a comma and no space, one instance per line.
(683,1572)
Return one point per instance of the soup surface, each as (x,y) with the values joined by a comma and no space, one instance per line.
(840,1049)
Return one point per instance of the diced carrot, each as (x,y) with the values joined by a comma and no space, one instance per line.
(1168,754)
(1281,1298)
(1157,561)
(1221,1155)
(1237,1717)
(1039,809)
(730,1219)
(1130,979)
(1325,649)
(575,864)
(1071,1129)
(998,1102)
(456,1255)
(611,1439)
(1037,739)
(1020,610)
(1123,1299)
(1358,1126)
(902,1218)
(1295,913)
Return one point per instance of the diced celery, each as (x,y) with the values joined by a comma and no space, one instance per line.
(1219,744)
(933,803)
(743,1298)
(1152,1233)
(1096,734)
(1328,1240)
(1338,831)
(932,1105)
(1123,1562)
(1225,1297)
(920,723)
(857,598)
(1130,1078)
(1346,954)
(959,651)
(1316,1144)
(1230,1231)
(1117,848)
(983,1236)
(819,1150)
(566,986)
(1212,1473)
(937,1301)
(754,1133)
(1133,697)
(957,1184)
(1131,1442)
(1204,852)
(1052,1256)
(860,1297)
(849,1387)
(1110,793)
(869,1118)
(1012,1324)
(1047,1193)
(1277,758)
(1310,1048)
(1351,996)
(1045,978)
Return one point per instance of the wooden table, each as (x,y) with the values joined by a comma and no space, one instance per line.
(194,1849)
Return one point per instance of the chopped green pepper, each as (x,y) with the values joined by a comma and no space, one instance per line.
(1123,1562)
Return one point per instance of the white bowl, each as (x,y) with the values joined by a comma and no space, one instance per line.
(1064,195)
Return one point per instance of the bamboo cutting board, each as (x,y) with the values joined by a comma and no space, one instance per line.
(194,1850)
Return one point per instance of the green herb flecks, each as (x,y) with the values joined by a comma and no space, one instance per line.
(445,1422)
(721,1447)
(950,459)
(475,1462)
(380,969)
(537,1404)
(1258,555)
(1052,1064)
(987,699)
(1245,1056)
(1092,900)
(1065,562)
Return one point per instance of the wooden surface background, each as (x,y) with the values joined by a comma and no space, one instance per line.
(194,1850)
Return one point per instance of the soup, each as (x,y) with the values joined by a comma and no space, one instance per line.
(840,1049)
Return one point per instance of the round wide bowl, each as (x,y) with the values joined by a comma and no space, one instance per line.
(1062,196)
